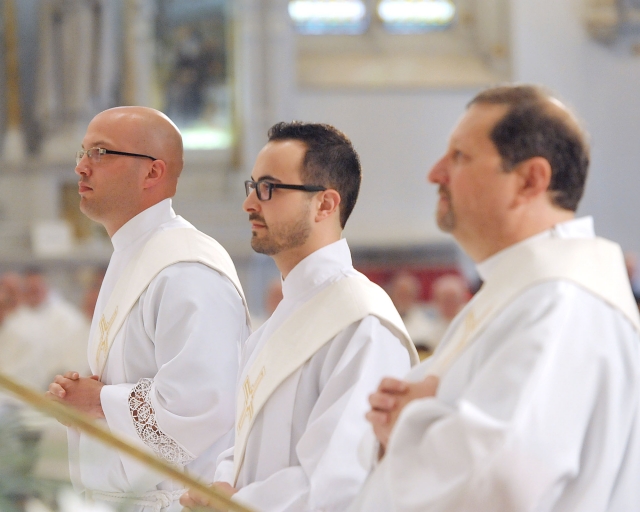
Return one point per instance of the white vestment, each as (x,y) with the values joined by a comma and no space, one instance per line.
(540,412)
(176,357)
(301,452)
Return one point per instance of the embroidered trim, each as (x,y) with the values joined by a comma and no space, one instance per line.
(144,421)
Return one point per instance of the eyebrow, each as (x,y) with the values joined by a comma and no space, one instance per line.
(267,177)
(97,144)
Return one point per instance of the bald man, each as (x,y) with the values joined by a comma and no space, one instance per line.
(168,323)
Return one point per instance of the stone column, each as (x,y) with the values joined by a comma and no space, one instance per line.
(139,52)
(78,70)
(14,148)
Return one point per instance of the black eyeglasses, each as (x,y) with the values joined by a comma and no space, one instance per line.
(94,154)
(264,188)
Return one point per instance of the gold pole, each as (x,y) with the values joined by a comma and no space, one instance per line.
(69,416)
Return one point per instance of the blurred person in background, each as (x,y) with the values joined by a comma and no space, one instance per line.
(62,329)
(12,343)
(46,334)
(404,290)
(449,294)
(12,283)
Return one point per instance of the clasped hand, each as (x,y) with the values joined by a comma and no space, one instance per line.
(389,400)
(81,393)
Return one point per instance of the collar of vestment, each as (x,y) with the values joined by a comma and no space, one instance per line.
(322,266)
(334,297)
(142,224)
(574,228)
(164,248)
(568,252)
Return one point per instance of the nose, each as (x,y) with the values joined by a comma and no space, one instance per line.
(438,173)
(82,167)
(251,203)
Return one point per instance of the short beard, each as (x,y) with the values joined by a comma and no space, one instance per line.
(287,237)
(447,220)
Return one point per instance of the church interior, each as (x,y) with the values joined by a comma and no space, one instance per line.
(394,75)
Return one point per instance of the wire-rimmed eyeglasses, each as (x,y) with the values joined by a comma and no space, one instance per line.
(264,188)
(94,154)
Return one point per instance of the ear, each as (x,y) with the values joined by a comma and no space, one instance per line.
(155,174)
(328,204)
(535,178)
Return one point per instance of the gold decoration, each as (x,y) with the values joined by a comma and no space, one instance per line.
(82,422)
(249,394)
(105,327)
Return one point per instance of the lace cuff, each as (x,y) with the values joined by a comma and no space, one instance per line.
(144,421)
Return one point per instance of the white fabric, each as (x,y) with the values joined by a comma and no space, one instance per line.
(165,248)
(38,343)
(319,320)
(302,450)
(425,330)
(153,500)
(179,348)
(539,413)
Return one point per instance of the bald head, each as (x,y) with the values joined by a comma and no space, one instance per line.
(151,132)
(139,167)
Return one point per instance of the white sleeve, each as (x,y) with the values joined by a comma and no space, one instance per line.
(543,403)
(328,472)
(224,467)
(195,320)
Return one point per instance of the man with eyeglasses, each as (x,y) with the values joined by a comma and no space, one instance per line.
(168,324)
(307,372)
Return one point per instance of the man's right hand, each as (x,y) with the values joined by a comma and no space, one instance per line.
(389,400)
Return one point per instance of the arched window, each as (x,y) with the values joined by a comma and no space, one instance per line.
(412,43)
(329,16)
(416,15)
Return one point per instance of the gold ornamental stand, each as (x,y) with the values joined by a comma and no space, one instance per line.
(69,416)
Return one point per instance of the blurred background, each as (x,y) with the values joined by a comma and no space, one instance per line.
(394,75)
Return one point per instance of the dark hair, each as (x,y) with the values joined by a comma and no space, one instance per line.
(538,125)
(330,160)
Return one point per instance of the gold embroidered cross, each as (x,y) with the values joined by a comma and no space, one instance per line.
(105,327)
(451,353)
(249,393)
(470,324)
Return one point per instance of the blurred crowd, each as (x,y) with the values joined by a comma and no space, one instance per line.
(427,322)
(42,333)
